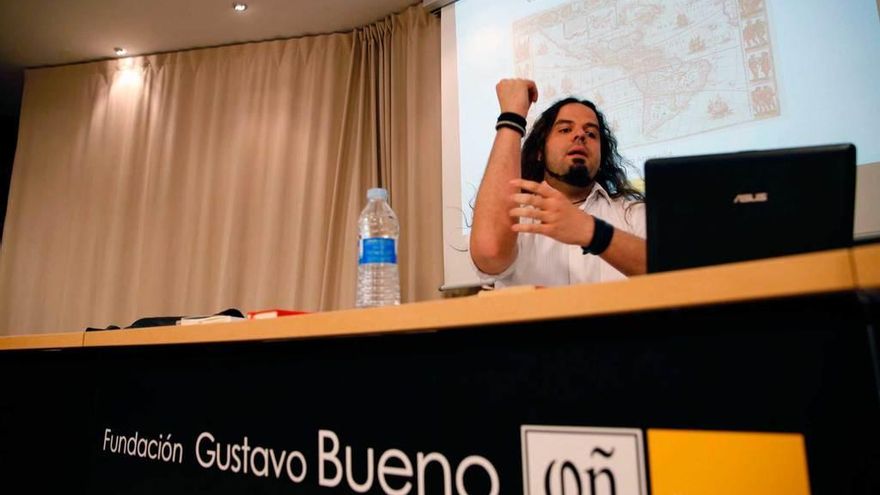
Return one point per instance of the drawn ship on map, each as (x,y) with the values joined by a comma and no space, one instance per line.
(718,109)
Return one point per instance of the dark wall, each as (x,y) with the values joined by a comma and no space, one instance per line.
(10,107)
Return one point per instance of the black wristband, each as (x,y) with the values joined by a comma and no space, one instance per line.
(512,121)
(602,234)
(511,125)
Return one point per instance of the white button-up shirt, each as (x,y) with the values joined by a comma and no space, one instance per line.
(544,261)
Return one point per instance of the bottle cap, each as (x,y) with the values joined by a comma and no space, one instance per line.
(377,193)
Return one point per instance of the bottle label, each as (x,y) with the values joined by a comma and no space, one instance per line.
(377,250)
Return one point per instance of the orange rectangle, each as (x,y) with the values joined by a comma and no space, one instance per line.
(690,462)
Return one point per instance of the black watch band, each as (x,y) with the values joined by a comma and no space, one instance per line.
(602,234)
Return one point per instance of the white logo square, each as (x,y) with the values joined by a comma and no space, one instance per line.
(577,460)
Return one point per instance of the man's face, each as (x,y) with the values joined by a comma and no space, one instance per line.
(573,144)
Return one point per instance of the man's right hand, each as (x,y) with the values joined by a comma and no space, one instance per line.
(516,95)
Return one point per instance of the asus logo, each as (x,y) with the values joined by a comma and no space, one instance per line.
(760,197)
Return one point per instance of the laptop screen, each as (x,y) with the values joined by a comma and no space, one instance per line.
(712,209)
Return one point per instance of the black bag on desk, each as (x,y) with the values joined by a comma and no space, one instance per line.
(165,321)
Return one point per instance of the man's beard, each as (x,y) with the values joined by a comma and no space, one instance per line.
(578,175)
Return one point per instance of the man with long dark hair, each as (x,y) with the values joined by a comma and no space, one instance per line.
(559,210)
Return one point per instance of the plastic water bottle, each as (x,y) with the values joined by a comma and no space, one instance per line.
(378,282)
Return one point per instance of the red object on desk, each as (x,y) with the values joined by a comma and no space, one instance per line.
(264,314)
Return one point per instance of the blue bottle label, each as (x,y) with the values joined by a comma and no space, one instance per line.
(377,250)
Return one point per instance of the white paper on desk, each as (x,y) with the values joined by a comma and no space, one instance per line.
(201,320)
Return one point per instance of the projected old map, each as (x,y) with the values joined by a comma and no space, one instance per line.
(659,70)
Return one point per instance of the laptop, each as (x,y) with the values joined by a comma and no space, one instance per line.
(712,209)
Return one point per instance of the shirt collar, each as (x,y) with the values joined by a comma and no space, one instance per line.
(598,192)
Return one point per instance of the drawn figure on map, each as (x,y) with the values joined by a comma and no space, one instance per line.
(755,33)
(754,67)
(764,100)
(761,31)
(750,7)
(765,63)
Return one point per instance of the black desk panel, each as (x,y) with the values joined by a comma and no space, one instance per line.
(801,365)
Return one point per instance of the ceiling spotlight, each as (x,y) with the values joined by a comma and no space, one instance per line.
(239,7)
(120,51)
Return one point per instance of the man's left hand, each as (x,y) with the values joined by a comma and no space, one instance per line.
(559,218)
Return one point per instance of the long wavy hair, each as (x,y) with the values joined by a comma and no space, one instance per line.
(612,167)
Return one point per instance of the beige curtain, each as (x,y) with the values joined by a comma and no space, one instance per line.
(191,182)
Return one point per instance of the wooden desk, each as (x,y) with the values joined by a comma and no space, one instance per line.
(826,272)
(781,345)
